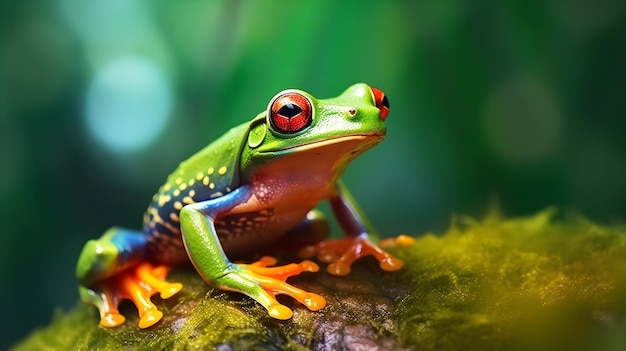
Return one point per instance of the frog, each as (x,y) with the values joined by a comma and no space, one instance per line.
(256,186)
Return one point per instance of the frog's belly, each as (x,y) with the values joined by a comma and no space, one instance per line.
(245,234)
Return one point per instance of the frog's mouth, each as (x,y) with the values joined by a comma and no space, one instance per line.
(320,161)
(361,142)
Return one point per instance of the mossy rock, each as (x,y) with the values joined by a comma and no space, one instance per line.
(516,284)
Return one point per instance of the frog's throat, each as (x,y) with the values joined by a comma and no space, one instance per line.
(362,138)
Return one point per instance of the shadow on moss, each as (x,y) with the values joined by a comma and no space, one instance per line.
(514,284)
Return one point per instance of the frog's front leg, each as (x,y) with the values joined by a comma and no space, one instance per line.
(257,280)
(114,268)
(341,253)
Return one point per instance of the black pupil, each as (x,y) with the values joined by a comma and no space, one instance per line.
(289,110)
(385,101)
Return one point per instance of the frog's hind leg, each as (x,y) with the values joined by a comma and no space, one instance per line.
(109,314)
(112,269)
(312,230)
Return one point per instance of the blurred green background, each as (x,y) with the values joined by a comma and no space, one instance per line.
(520,103)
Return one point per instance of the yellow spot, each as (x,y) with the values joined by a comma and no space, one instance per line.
(176,192)
(199,176)
(188,200)
(212,186)
(192,193)
(155,218)
(210,171)
(174,217)
(222,171)
(191,181)
(205,181)
(179,180)
(163,199)
(182,186)
(167,187)
(178,205)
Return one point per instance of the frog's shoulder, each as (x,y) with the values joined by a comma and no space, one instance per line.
(216,166)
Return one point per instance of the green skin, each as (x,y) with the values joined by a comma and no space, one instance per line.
(248,190)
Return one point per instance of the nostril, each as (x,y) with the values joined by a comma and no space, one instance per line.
(381,102)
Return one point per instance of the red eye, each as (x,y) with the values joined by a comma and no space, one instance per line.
(381,102)
(290,113)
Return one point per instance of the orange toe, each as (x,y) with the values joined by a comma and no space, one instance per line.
(404,240)
(338,268)
(150,318)
(110,320)
(137,284)
(314,302)
(273,281)
(279,311)
(341,253)
(170,289)
(401,239)
(390,264)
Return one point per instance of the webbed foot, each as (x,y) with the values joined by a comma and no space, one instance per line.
(264,283)
(341,253)
(137,284)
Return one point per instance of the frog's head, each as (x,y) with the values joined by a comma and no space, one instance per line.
(299,129)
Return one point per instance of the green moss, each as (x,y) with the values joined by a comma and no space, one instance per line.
(516,284)
(529,283)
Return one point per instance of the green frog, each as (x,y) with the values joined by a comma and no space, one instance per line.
(252,189)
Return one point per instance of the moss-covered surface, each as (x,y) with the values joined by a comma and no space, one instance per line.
(520,284)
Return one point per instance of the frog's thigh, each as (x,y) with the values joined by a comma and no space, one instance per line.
(116,250)
(312,230)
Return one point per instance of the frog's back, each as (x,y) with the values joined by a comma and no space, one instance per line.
(210,173)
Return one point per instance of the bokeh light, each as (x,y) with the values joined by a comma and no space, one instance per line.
(128,104)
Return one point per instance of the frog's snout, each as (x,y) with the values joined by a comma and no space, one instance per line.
(381,102)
